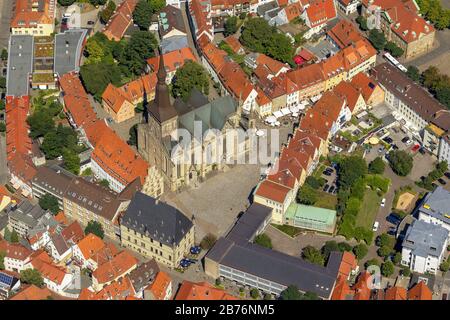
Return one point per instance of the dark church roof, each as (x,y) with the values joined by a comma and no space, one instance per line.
(161,108)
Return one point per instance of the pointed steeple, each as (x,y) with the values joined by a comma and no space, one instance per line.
(161,108)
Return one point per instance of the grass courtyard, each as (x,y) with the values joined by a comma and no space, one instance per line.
(369,208)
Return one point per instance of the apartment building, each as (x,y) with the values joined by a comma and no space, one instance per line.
(424,246)
(434,208)
(33,17)
(156,230)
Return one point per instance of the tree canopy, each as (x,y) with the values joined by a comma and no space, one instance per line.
(191,75)
(32,276)
(49,202)
(313,255)
(433,11)
(259,36)
(94,227)
(106,13)
(263,240)
(401,162)
(66,3)
(377,166)
(307,195)
(142,14)
(351,169)
(360,251)
(291,293)
(387,269)
(230,26)
(377,38)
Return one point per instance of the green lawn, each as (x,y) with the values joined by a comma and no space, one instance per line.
(289,230)
(369,209)
(326,200)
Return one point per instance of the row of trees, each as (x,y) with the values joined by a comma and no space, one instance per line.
(436,173)
(58,140)
(259,36)
(401,162)
(112,62)
(379,42)
(438,84)
(319,257)
(432,10)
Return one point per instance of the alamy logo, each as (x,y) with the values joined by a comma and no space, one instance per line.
(231,146)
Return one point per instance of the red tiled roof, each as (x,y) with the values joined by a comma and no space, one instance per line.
(234,44)
(307,76)
(215,56)
(120,20)
(43,263)
(420,292)
(73,232)
(407,23)
(293,11)
(348,263)
(344,33)
(114,268)
(17,139)
(348,92)
(320,12)
(118,159)
(22,167)
(114,97)
(15,251)
(200,13)
(395,293)
(121,289)
(342,290)
(273,66)
(32,293)
(236,81)
(159,286)
(271,190)
(364,84)
(201,291)
(90,245)
(172,60)
(26,14)
(362,290)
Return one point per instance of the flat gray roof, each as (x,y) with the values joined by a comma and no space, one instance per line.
(20,64)
(425,239)
(68,46)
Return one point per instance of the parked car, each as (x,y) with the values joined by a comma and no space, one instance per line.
(442,181)
(332,188)
(325,187)
(327,173)
(388,140)
(392,231)
(447,174)
(394,219)
(383,202)
(394,146)
(422,150)
(90,23)
(375,226)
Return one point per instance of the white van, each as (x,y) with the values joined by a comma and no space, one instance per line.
(375,226)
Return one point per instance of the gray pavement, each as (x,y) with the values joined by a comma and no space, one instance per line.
(3,167)
(20,64)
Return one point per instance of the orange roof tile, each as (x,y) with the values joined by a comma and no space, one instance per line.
(234,44)
(17,139)
(32,293)
(342,290)
(271,190)
(348,92)
(26,14)
(364,84)
(121,289)
(61,218)
(43,263)
(420,292)
(118,159)
(215,56)
(118,266)
(159,286)
(114,97)
(307,76)
(90,245)
(236,80)
(201,291)
(348,263)
(274,66)
(293,10)
(395,293)
(362,290)
(22,167)
(137,89)
(320,12)
(120,20)
(172,60)
(73,232)
(344,33)
(15,251)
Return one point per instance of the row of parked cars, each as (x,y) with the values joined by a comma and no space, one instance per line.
(330,188)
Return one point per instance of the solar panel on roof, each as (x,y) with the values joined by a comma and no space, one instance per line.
(6,279)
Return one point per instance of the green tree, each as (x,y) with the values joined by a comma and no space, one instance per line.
(291,293)
(307,195)
(413,73)
(313,255)
(397,258)
(97,76)
(259,36)
(139,48)
(2,105)
(362,22)
(2,127)
(310,296)
(49,202)
(71,161)
(106,13)
(104,183)
(351,169)
(401,162)
(329,247)
(14,237)
(372,262)
(395,50)
(40,124)
(133,135)
(344,246)
(384,251)
(254,293)
(2,83)
(377,38)
(314,182)
(157,5)
(142,15)
(95,228)
(32,276)
(445,266)
(97,2)
(387,269)
(405,271)
(230,26)
(2,260)
(263,240)
(377,166)
(191,75)
(4,54)
(360,251)
(66,3)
